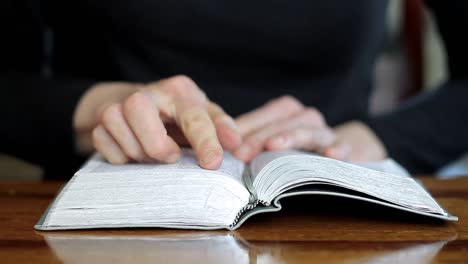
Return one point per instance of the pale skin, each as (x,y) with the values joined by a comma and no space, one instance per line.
(151,122)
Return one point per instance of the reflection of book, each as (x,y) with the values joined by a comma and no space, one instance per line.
(206,248)
(227,248)
(183,195)
(418,254)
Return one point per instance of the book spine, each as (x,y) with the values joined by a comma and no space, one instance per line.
(246,208)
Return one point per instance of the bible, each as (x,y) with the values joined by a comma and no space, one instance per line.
(183,195)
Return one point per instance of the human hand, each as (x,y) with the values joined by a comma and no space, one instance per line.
(356,142)
(283,123)
(145,123)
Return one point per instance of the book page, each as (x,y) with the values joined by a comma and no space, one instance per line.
(230,166)
(140,195)
(278,172)
(266,157)
(387,165)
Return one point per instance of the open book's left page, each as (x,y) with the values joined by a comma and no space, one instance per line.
(230,166)
(166,195)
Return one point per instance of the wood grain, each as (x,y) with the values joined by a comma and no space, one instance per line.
(308,230)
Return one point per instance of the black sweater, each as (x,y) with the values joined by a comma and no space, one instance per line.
(241,53)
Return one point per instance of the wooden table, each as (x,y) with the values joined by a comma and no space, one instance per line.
(328,230)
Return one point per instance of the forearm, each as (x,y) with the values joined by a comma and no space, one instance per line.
(429,131)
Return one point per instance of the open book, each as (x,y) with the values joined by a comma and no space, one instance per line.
(182,195)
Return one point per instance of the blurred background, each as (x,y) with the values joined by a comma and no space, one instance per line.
(412,62)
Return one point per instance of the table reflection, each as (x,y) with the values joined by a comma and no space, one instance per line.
(229,247)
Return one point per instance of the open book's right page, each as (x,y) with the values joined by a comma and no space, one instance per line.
(274,173)
(387,165)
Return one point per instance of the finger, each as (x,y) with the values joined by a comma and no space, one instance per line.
(106,145)
(255,142)
(309,138)
(143,119)
(187,105)
(200,132)
(226,128)
(340,151)
(275,110)
(168,92)
(114,122)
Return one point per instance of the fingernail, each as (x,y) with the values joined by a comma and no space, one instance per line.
(210,157)
(334,153)
(281,140)
(173,158)
(231,124)
(243,151)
